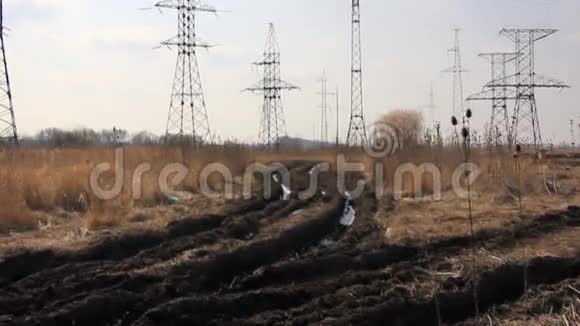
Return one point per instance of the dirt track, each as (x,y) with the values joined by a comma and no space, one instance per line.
(273,262)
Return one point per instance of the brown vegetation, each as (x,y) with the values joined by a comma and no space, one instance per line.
(49,179)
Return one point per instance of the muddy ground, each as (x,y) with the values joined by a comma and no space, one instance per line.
(289,262)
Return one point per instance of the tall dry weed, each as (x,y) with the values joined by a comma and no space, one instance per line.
(14,212)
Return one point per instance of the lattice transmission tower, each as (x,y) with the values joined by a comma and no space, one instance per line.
(457,71)
(431,108)
(325,108)
(8,132)
(499,125)
(525,129)
(273,124)
(188,121)
(357,133)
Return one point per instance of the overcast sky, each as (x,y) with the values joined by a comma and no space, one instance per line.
(91,63)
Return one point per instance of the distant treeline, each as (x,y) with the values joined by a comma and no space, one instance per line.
(81,137)
(85,137)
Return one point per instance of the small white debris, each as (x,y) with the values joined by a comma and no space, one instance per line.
(348,216)
(297,212)
(276,178)
(259,272)
(287,193)
(45,226)
(347,195)
(327,243)
(323,193)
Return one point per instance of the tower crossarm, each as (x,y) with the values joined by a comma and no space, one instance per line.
(261,86)
(498,57)
(536,34)
(194,5)
(453,70)
(538,81)
(490,94)
(194,42)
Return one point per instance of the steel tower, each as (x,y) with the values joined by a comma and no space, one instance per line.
(8,132)
(323,109)
(500,130)
(187,121)
(357,134)
(273,124)
(457,71)
(525,129)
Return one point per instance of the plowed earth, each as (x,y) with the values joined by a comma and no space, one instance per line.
(279,262)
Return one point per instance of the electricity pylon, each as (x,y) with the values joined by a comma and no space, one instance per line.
(273,124)
(187,119)
(457,71)
(431,108)
(525,129)
(499,126)
(357,134)
(325,108)
(8,133)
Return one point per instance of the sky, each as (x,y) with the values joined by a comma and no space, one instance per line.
(93,63)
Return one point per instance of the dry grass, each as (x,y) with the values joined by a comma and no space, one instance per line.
(49,179)
(46,180)
(13,208)
(494,196)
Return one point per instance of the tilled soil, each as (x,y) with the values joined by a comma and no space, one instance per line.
(277,262)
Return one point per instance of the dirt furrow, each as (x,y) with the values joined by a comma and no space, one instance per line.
(204,276)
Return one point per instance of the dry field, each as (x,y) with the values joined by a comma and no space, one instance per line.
(70,258)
